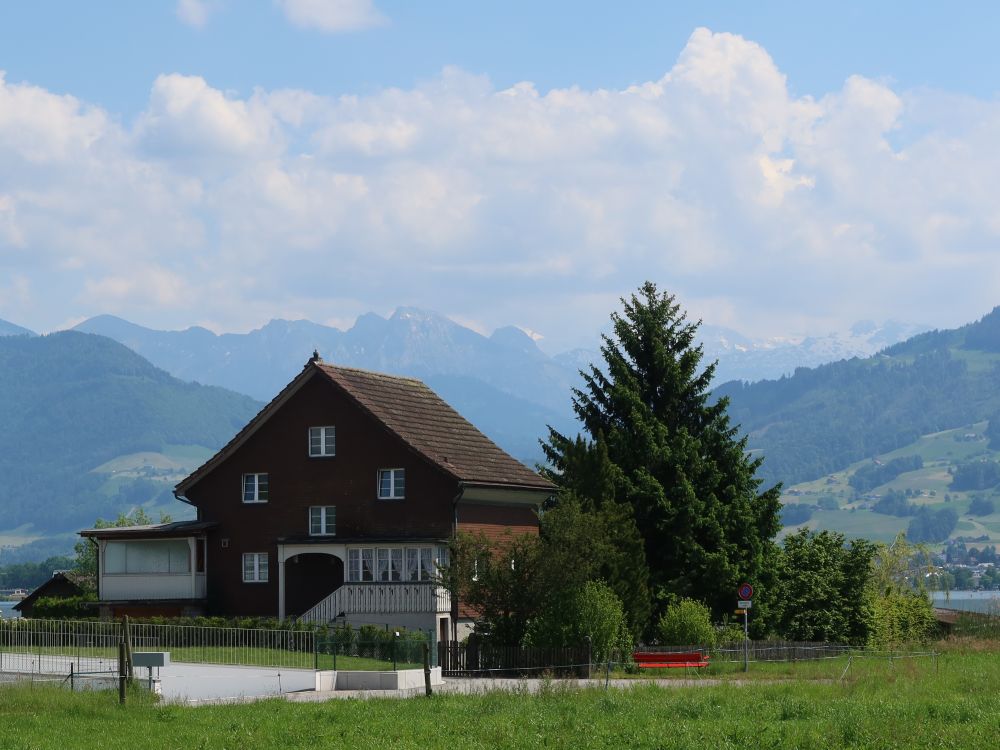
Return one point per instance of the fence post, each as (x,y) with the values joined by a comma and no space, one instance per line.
(71,680)
(127,638)
(121,672)
(590,654)
(427,669)
(395,640)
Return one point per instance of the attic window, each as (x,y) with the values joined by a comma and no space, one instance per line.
(391,484)
(322,441)
(255,488)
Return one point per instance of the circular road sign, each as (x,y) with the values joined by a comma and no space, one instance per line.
(745,591)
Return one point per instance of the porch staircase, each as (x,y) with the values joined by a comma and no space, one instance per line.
(379,599)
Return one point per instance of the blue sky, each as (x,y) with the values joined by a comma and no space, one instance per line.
(782,167)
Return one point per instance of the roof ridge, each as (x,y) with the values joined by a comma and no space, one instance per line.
(410,378)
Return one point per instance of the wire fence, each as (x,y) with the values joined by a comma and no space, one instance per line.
(487,660)
(92,646)
(770,650)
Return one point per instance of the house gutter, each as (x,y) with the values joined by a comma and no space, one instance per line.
(454,508)
(180,496)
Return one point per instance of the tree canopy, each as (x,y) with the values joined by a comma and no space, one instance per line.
(659,448)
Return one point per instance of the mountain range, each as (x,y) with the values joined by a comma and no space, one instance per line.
(95,425)
(90,428)
(820,420)
(750,360)
(9,329)
(504,382)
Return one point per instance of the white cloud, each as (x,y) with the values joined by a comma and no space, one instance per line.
(332,16)
(193,12)
(760,209)
(189,120)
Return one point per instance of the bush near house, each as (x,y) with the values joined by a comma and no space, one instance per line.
(686,622)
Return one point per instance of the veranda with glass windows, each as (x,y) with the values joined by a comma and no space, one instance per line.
(390,578)
(152,569)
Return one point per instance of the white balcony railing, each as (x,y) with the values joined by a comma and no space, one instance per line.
(380,599)
(152,586)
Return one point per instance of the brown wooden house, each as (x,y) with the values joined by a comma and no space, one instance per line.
(336,502)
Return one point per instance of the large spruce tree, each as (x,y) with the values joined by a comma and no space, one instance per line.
(669,456)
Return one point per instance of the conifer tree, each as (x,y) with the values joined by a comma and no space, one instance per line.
(671,457)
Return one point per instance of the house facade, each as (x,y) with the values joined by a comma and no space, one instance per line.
(335,503)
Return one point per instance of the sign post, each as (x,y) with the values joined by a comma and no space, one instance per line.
(745,594)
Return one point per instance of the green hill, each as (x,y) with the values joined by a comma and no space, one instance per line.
(90,428)
(819,421)
(839,502)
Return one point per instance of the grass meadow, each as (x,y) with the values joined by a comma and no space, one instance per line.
(951,702)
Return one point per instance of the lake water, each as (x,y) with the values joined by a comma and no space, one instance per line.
(7,611)
(968,601)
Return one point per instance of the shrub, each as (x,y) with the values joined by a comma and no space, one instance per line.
(730,633)
(686,623)
(65,607)
(592,611)
(900,618)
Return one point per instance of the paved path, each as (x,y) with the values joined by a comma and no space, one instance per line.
(468,686)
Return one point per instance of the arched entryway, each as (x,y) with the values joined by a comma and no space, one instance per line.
(309,578)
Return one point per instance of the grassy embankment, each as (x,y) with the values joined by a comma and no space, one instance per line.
(910,703)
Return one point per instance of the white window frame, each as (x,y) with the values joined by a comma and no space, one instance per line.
(256,488)
(327,446)
(394,484)
(393,564)
(258,571)
(327,516)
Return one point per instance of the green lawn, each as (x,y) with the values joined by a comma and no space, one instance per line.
(909,704)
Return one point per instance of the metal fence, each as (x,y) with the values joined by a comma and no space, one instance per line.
(50,646)
(381,654)
(480,659)
(771,650)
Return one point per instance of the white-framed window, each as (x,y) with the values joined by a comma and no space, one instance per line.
(254,567)
(322,441)
(411,569)
(255,488)
(391,484)
(427,570)
(391,564)
(323,520)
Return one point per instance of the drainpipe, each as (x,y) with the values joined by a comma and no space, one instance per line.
(454,508)
(454,533)
(97,573)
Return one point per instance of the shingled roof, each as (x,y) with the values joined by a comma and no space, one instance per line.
(424,421)
(415,414)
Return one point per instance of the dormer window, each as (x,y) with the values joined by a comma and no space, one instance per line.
(391,484)
(255,488)
(322,441)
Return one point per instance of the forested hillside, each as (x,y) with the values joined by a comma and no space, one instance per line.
(72,402)
(818,421)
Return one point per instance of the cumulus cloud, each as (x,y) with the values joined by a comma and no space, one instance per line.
(761,210)
(188,119)
(332,16)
